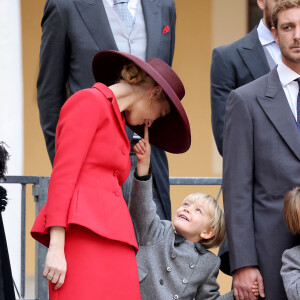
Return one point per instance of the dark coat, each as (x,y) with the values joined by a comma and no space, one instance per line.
(233,66)
(261,156)
(6,280)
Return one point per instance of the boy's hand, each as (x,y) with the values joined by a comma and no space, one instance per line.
(255,289)
(142,150)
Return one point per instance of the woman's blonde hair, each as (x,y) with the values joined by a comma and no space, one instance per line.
(133,74)
(291,210)
(217,220)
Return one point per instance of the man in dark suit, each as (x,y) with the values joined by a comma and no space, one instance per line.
(235,65)
(73,32)
(261,155)
(239,63)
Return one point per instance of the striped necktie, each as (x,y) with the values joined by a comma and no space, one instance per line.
(121,8)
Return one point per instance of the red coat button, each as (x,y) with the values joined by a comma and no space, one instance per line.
(124,151)
(116,173)
(117,193)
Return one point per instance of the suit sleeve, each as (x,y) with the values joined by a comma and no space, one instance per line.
(79,120)
(149,227)
(53,69)
(223,81)
(290,273)
(238,183)
(173,28)
(209,290)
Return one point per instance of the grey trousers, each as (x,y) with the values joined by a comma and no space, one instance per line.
(126,188)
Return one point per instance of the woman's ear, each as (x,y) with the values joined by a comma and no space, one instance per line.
(156,91)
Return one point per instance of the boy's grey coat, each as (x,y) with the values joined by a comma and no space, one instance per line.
(170,267)
(290,272)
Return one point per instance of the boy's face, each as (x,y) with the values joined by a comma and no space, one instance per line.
(191,221)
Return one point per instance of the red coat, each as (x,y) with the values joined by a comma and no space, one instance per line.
(91,163)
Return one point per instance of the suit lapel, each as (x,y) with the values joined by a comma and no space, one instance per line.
(152,15)
(95,19)
(276,107)
(253,55)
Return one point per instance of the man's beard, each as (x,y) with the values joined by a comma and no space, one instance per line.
(290,57)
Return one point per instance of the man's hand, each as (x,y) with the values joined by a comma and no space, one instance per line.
(243,280)
(142,150)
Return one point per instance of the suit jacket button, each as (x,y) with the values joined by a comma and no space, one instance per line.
(184,281)
(175,297)
(173,255)
(161,281)
(192,265)
(169,269)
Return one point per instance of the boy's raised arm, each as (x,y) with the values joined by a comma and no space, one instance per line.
(149,228)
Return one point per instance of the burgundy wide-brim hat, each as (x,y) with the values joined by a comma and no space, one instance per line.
(171,133)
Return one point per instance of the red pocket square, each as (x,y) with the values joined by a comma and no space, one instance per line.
(166,29)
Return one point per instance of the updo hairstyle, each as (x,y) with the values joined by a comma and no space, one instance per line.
(133,74)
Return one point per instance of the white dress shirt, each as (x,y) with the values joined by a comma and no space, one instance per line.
(291,88)
(266,38)
(132,5)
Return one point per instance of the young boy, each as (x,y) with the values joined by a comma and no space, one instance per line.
(175,264)
(290,271)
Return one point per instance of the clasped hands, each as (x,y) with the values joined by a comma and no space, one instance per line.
(248,284)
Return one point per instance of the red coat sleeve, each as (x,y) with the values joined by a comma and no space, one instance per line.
(79,120)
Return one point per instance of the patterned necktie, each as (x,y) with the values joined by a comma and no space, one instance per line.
(121,8)
(298,104)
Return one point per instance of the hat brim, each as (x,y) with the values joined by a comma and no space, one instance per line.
(171,133)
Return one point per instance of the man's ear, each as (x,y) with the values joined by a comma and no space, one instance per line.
(207,234)
(261,4)
(275,34)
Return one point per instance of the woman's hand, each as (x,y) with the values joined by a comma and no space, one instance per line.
(142,150)
(56,265)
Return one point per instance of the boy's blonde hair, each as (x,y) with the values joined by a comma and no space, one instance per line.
(291,210)
(217,222)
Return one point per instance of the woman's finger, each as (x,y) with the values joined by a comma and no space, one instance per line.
(61,281)
(46,271)
(50,276)
(55,278)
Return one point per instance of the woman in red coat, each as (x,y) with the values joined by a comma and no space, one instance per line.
(85,222)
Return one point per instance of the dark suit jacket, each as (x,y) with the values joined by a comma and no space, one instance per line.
(73,32)
(261,155)
(233,66)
